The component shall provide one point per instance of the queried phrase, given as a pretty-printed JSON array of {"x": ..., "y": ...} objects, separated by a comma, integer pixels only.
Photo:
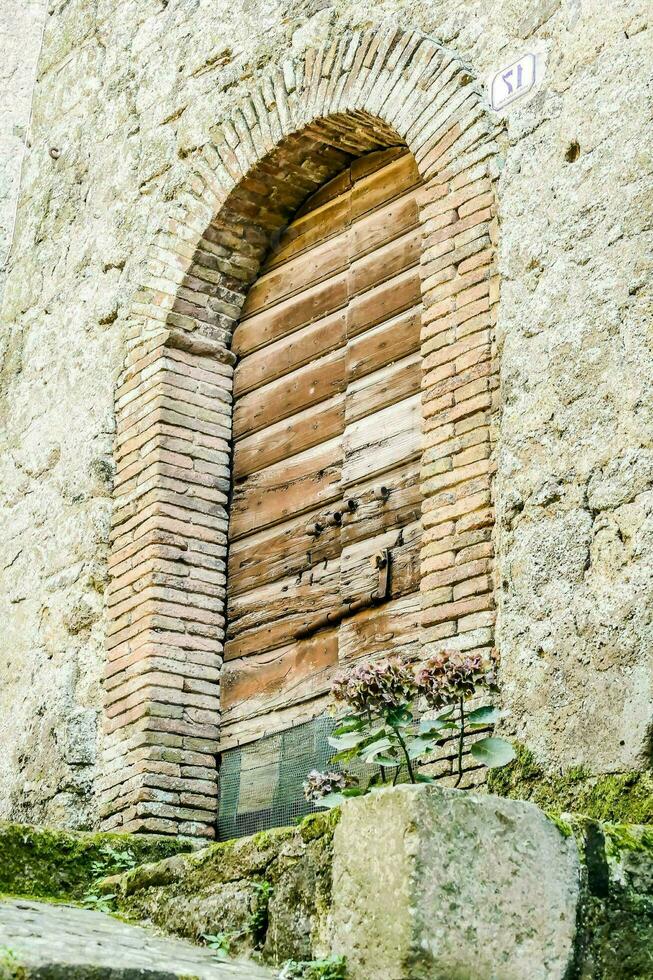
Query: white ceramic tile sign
[{"x": 515, "y": 81}]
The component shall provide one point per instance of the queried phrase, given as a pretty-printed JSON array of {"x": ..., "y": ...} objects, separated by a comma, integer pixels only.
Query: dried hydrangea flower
[
  {"x": 376, "y": 686},
  {"x": 454, "y": 674},
  {"x": 318, "y": 784}
]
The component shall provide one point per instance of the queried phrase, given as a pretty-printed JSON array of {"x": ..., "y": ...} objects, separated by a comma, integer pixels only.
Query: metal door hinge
[{"x": 383, "y": 563}]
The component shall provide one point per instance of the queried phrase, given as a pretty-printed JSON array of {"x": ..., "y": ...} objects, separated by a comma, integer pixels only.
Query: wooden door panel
[
  {"x": 254, "y": 332},
  {"x": 300, "y": 272},
  {"x": 327, "y": 411},
  {"x": 384, "y": 301},
  {"x": 256, "y": 685},
  {"x": 391, "y": 341},
  {"x": 319, "y": 380},
  {"x": 290, "y": 436},
  {"x": 383, "y": 630},
  {"x": 289, "y": 549},
  {"x": 374, "y": 514},
  {"x": 389, "y": 182},
  {"x": 383, "y": 263},
  {"x": 359, "y": 574},
  {"x": 304, "y": 233},
  {"x": 303, "y": 483},
  {"x": 291, "y": 352},
  {"x": 270, "y": 616},
  {"x": 381, "y": 442},
  {"x": 391, "y": 221},
  {"x": 384, "y": 387}
]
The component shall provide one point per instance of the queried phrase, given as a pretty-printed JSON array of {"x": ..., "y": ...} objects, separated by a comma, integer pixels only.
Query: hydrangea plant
[{"x": 388, "y": 724}]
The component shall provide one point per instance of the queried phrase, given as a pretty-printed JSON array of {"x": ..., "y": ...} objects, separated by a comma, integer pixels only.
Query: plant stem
[
  {"x": 405, "y": 751},
  {"x": 460, "y": 742}
]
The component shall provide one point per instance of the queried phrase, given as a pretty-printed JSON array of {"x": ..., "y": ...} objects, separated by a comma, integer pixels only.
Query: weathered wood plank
[
  {"x": 255, "y": 685},
  {"x": 305, "y": 482},
  {"x": 289, "y": 436},
  {"x": 369, "y": 163},
  {"x": 246, "y": 730},
  {"x": 323, "y": 222},
  {"x": 388, "y": 385},
  {"x": 390, "y": 341},
  {"x": 290, "y": 352},
  {"x": 382, "y": 441},
  {"x": 388, "y": 222},
  {"x": 304, "y": 270},
  {"x": 317, "y": 381},
  {"x": 288, "y": 549},
  {"x": 358, "y": 572},
  {"x": 312, "y": 304},
  {"x": 374, "y": 515},
  {"x": 270, "y": 616},
  {"x": 389, "y": 182},
  {"x": 383, "y": 263},
  {"x": 394, "y": 627},
  {"x": 384, "y": 301}
]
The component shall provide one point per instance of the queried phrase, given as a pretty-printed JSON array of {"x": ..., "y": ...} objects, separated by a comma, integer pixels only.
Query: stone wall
[
  {"x": 128, "y": 93},
  {"x": 417, "y": 882},
  {"x": 21, "y": 28}
]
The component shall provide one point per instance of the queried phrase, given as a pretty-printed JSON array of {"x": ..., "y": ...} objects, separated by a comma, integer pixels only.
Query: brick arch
[{"x": 301, "y": 125}]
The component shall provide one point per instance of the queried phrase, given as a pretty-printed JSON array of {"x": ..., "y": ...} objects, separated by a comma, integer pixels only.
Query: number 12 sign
[{"x": 513, "y": 82}]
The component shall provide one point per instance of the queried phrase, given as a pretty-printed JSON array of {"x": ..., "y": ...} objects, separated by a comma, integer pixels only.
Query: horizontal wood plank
[
  {"x": 285, "y": 550},
  {"x": 253, "y": 686},
  {"x": 316, "y": 382},
  {"x": 254, "y": 332},
  {"x": 290, "y": 352},
  {"x": 394, "y": 627},
  {"x": 391, "y": 341},
  {"x": 382, "y": 441},
  {"x": 290, "y": 436},
  {"x": 293, "y": 486},
  {"x": 388, "y": 385}
]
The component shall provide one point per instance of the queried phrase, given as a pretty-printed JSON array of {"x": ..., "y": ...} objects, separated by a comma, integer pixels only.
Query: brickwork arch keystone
[{"x": 300, "y": 125}]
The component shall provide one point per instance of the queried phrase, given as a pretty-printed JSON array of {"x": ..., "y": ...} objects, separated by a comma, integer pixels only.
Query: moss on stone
[
  {"x": 620, "y": 797},
  {"x": 619, "y": 939},
  {"x": 621, "y": 837},
  {"x": 50, "y": 864},
  {"x": 565, "y": 828},
  {"x": 10, "y": 966},
  {"x": 319, "y": 824}
]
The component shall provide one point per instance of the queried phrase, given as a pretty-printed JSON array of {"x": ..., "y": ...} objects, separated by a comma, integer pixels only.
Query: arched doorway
[
  {"x": 328, "y": 115},
  {"x": 325, "y": 523}
]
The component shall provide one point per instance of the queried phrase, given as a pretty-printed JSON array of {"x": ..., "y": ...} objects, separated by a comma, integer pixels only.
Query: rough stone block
[{"x": 433, "y": 883}]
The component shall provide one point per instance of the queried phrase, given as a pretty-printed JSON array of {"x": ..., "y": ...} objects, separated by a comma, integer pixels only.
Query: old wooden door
[{"x": 325, "y": 518}]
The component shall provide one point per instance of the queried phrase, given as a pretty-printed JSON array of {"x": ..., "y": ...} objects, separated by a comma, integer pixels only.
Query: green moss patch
[
  {"x": 58, "y": 864},
  {"x": 619, "y": 798}
]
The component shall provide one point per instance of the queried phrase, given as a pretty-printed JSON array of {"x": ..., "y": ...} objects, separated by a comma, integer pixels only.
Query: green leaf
[
  {"x": 399, "y": 717},
  {"x": 422, "y": 778},
  {"x": 429, "y": 726},
  {"x": 386, "y": 761},
  {"x": 493, "y": 752},
  {"x": 348, "y": 755},
  {"x": 349, "y": 724},
  {"x": 370, "y": 752},
  {"x": 330, "y": 800},
  {"x": 420, "y": 745},
  {"x": 483, "y": 716},
  {"x": 347, "y": 741}
]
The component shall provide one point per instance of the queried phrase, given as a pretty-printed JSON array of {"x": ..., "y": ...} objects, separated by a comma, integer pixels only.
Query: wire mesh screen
[{"x": 261, "y": 783}]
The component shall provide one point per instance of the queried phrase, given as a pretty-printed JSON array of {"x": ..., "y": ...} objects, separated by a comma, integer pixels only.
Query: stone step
[{"x": 63, "y": 942}]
